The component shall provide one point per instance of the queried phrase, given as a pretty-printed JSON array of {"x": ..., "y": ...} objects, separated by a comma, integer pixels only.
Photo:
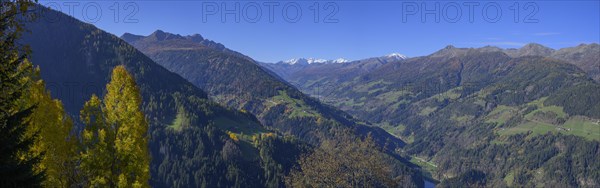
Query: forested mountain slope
[
  {"x": 194, "y": 142},
  {"x": 480, "y": 115},
  {"x": 238, "y": 81},
  {"x": 585, "y": 56}
]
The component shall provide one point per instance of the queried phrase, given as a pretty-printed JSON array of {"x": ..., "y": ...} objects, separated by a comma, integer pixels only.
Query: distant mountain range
[
  {"x": 308, "y": 61},
  {"x": 459, "y": 106},
  {"x": 290, "y": 71},
  {"x": 584, "y": 56}
]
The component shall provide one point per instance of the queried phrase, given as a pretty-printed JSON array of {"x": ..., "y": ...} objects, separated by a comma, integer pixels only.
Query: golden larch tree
[{"x": 115, "y": 140}]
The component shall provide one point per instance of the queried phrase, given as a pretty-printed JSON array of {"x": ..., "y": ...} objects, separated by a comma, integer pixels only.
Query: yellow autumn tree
[
  {"x": 115, "y": 142},
  {"x": 97, "y": 148},
  {"x": 54, "y": 142},
  {"x": 348, "y": 162}
]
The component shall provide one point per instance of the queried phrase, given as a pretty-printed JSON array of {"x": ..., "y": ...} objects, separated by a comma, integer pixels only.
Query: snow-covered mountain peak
[
  {"x": 396, "y": 56},
  {"x": 305, "y": 61}
]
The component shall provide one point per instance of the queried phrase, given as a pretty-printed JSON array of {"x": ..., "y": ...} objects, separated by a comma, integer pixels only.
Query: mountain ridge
[
  {"x": 583, "y": 55},
  {"x": 243, "y": 84},
  {"x": 307, "y": 61}
]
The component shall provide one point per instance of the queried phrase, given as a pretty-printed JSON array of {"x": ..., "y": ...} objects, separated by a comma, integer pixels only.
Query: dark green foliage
[
  {"x": 278, "y": 156},
  {"x": 581, "y": 99},
  {"x": 14, "y": 171},
  {"x": 16, "y": 165},
  {"x": 195, "y": 158},
  {"x": 208, "y": 158},
  {"x": 529, "y": 78},
  {"x": 549, "y": 159},
  {"x": 471, "y": 178}
]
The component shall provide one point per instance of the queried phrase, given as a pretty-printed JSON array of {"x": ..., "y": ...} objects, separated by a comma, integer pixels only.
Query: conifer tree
[{"x": 16, "y": 168}]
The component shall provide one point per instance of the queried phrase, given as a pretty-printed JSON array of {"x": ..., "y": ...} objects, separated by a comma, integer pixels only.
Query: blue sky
[{"x": 350, "y": 29}]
